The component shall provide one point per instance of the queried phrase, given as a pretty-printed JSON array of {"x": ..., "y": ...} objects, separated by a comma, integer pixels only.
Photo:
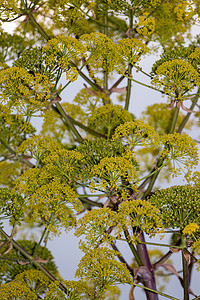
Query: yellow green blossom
[
  {"x": 190, "y": 229},
  {"x": 111, "y": 174},
  {"x": 137, "y": 133},
  {"x": 181, "y": 149},
  {"x": 146, "y": 25},
  {"x": 177, "y": 77},
  {"x": 139, "y": 215},
  {"x": 184, "y": 10},
  {"x": 101, "y": 266},
  {"x": 106, "y": 118},
  {"x": 94, "y": 225}
]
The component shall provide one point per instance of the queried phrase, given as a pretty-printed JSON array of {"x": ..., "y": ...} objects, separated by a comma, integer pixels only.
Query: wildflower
[
  {"x": 146, "y": 25},
  {"x": 139, "y": 215},
  {"x": 137, "y": 133},
  {"x": 178, "y": 77},
  {"x": 190, "y": 229},
  {"x": 179, "y": 206}
]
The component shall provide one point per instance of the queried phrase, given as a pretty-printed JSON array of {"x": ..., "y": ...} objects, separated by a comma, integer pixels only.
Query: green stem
[
  {"x": 146, "y": 85},
  {"x": 174, "y": 120},
  {"x": 40, "y": 241},
  {"x": 68, "y": 121},
  {"x": 31, "y": 259},
  {"x": 121, "y": 258},
  {"x": 162, "y": 245},
  {"x": 28, "y": 163},
  {"x": 90, "y": 202},
  {"x": 155, "y": 171},
  {"x": 79, "y": 124},
  {"x": 156, "y": 292},
  {"x": 39, "y": 28},
  {"x": 128, "y": 92},
  {"x": 133, "y": 250}
]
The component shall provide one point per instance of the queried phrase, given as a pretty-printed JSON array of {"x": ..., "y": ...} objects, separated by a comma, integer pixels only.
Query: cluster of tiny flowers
[
  {"x": 196, "y": 248},
  {"x": 146, "y": 25},
  {"x": 177, "y": 76},
  {"x": 183, "y": 11},
  {"x": 36, "y": 146},
  {"x": 180, "y": 148},
  {"x": 140, "y": 215},
  {"x": 104, "y": 55},
  {"x": 190, "y": 229},
  {"x": 101, "y": 266},
  {"x": 62, "y": 49},
  {"x": 72, "y": 74},
  {"x": 94, "y": 225},
  {"x": 61, "y": 163},
  {"x": 107, "y": 117},
  {"x": 108, "y": 175},
  {"x": 179, "y": 206},
  {"x": 137, "y": 133},
  {"x": 131, "y": 50},
  {"x": 195, "y": 57},
  {"x": 155, "y": 3},
  {"x": 9, "y": 9},
  {"x": 20, "y": 90},
  {"x": 48, "y": 196},
  {"x": 15, "y": 290}
]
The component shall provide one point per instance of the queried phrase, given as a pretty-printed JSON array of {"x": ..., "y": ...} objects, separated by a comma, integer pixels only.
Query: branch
[{"x": 31, "y": 259}]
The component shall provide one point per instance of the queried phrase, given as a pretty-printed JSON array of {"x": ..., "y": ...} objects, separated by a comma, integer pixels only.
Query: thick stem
[
  {"x": 185, "y": 277},
  {"x": 144, "y": 257}
]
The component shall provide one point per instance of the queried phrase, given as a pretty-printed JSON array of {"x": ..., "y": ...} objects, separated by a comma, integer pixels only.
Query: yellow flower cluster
[
  {"x": 180, "y": 148},
  {"x": 190, "y": 229},
  {"x": 22, "y": 92},
  {"x": 155, "y": 3},
  {"x": 136, "y": 215},
  {"x": 107, "y": 117},
  {"x": 49, "y": 195},
  {"x": 183, "y": 10},
  {"x": 72, "y": 74},
  {"x": 61, "y": 50},
  {"x": 179, "y": 206},
  {"x": 36, "y": 147},
  {"x": 111, "y": 173},
  {"x": 9, "y": 9},
  {"x": 196, "y": 248},
  {"x": 137, "y": 133},
  {"x": 15, "y": 290},
  {"x": 146, "y": 25},
  {"x": 94, "y": 225},
  {"x": 177, "y": 76},
  {"x": 101, "y": 266},
  {"x": 104, "y": 55},
  {"x": 131, "y": 50}
]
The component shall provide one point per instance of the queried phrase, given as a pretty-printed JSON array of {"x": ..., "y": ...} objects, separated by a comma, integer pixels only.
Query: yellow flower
[
  {"x": 146, "y": 25},
  {"x": 72, "y": 74},
  {"x": 190, "y": 228}
]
